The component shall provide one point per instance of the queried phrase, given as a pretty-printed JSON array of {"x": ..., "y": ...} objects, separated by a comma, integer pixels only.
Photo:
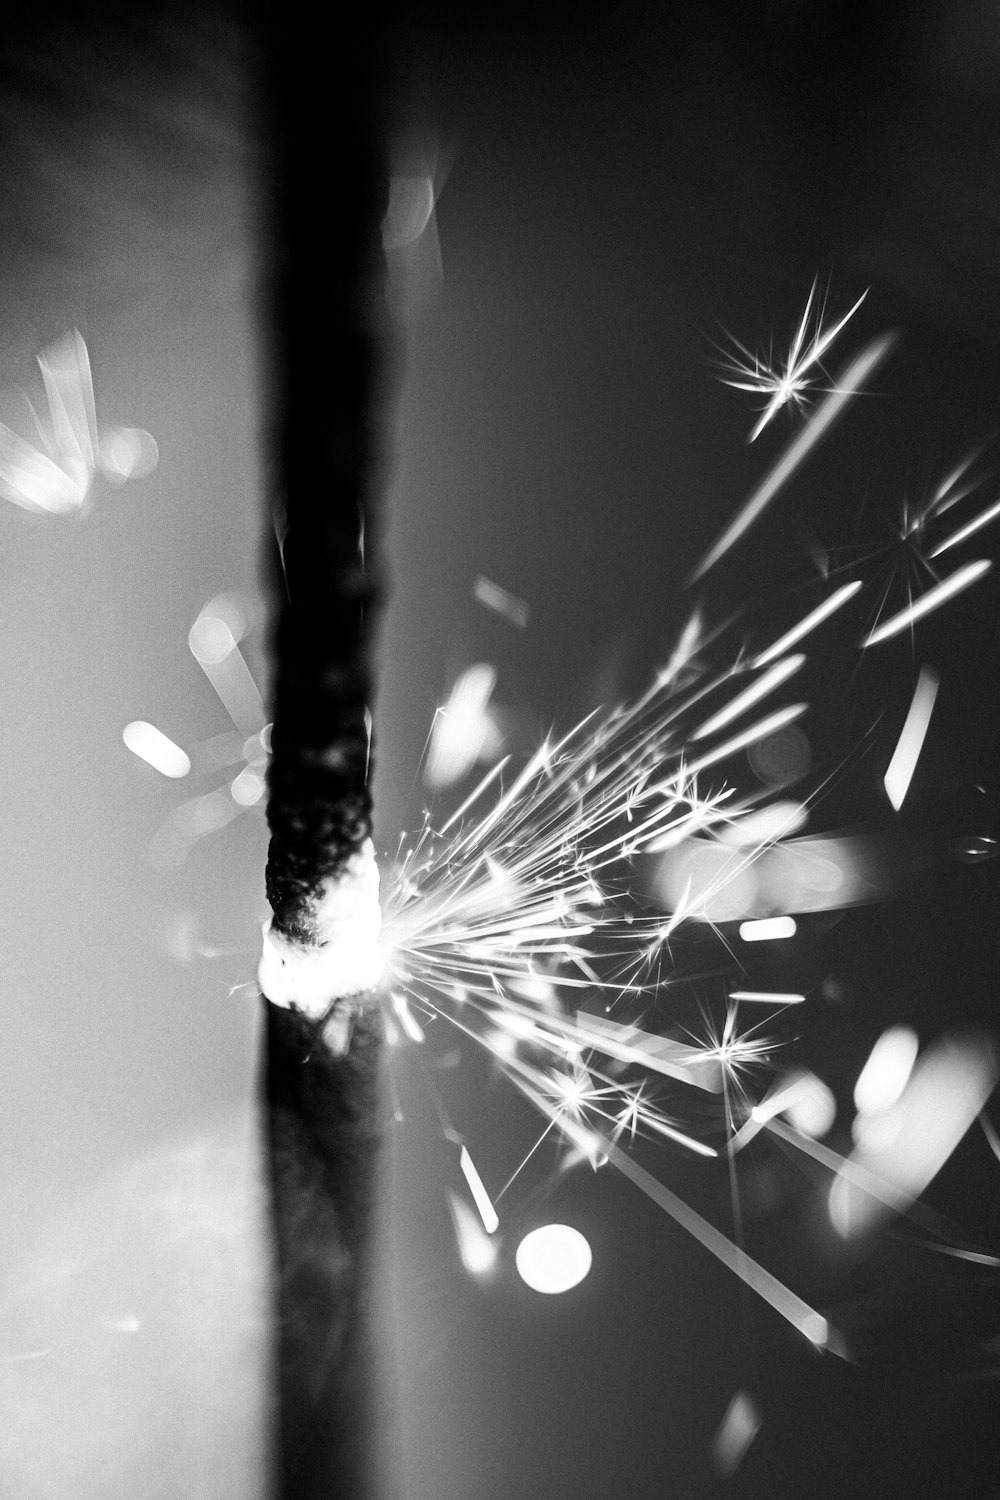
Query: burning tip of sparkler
[
  {"x": 344, "y": 957},
  {"x": 553, "y": 1258}
]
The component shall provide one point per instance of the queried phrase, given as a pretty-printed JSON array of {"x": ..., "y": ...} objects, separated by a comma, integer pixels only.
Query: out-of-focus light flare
[
  {"x": 156, "y": 749},
  {"x": 248, "y": 787},
  {"x": 711, "y": 881},
  {"x": 954, "y": 584},
  {"x": 766, "y": 826},
  {"x": 767, "y": 929},
  {"x": 464, "y": 730},
  {"x": 948, "y": 1087},
  {"x": 911, "y": 738},
  {"x": 803, "y": 1099},
  {"x": 477, "y": 1250},
  {"x": 186, "y": 825},
  {"x": 407, "y": 1019},
  {"x": 736, "y": 1432},
  {"x": 58, "y": 480},
  {"x": 127, "y": 453},
  {"x": 501, "y": 602},
  {"x": 481, "y": 1197},
  {"x": 887, "y": 1071},
  {"x": 213, "y": 642},
  {"x": 848, "y": 385},
  {"x": 411, "y": 204},
  {"x": 553, "y": 1258}
]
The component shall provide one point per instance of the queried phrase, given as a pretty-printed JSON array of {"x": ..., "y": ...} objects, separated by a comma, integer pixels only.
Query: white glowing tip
[
  {"x": 911, "y": 738},
  {"x": 553, "y": 1258},
  {"x": 765, "y": 929},
  {"x": 152, "y": 745},
  {"x": 344, "y": 957}
]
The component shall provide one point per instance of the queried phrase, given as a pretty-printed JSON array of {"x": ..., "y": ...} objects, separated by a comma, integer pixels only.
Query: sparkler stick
[{"x": 322, "y": 388}]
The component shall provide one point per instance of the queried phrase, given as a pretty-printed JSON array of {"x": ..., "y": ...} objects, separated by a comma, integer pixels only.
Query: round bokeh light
[{"x": 553, "y": 1258}]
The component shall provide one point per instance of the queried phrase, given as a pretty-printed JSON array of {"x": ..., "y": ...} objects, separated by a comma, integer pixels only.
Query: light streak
[
  {"x": 983, "y": 519},
  {"x": 481, "y": 1197},
  {"x": 809, "y": 622},
  {"x": 778, "y": 674},
  {"x": 767, "y": 997},
  {"x": 789, "y": 382},
  {"x": 933, "y": 599},
  {"x": 901, "y": 767},
  {"x": 849, "y": 385},
  {"x": 767, "y": 929},
  {"x": 805, "y": 1319}
]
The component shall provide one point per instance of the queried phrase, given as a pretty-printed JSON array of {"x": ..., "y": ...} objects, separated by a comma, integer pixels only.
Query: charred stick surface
[{"x": 326, "y": 186}]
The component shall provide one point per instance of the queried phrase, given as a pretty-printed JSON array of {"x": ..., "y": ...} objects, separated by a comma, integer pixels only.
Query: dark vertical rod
[{"x": 325, "y": 186}]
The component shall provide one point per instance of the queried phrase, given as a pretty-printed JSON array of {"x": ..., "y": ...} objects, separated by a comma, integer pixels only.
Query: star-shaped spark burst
[{"x": 792, "y": 380}]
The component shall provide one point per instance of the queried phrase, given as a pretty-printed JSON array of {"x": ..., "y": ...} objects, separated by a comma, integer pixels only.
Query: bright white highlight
[
  {"x": 553, "y": 1258},
  {"x": 481, "y": 1197},
  {"x": 767, "y": 929},
  {"x": 767, "y": 997},
  {"x": 344, "y": 957},
  {"x": 848, "y": 386},
  {"x": 886, "y": 1073},
  {"x": 152, "y": 745},
  {"x": 933, "y": 599},
  {"x": 464, "y": 730},
  {"x": 57, "y": 478},
  {"x": 911, "y": 738},
  {"x": 948, "y": 1087},
  {"x": 809, "y": 622}
]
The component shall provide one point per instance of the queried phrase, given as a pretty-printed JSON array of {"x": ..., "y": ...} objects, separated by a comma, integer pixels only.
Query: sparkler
[{"x": 788, "y": 382}]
